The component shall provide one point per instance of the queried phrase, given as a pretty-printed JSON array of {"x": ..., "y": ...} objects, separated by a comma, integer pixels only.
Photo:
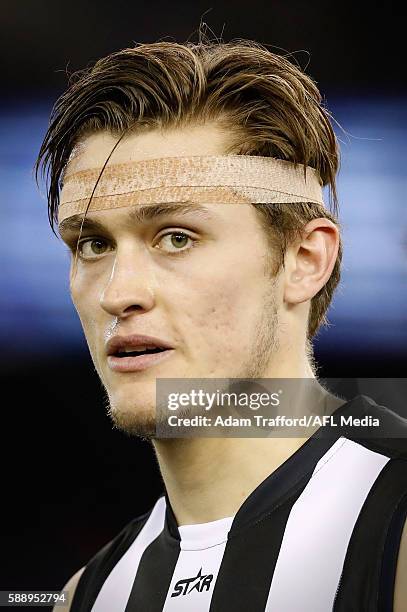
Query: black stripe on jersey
[
  {"x": 365, "y": 572},
  {"x": 171, "y": 524},
  {"x": 390, "y": 556},
  {"x": 101, "y": 564},
  {"x": 154, "y": 574},
  {"x": 249, "y": 560},
  {"x": 393, "y": 439}
]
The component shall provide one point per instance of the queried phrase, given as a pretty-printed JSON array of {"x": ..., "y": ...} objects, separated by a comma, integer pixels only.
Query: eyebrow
[{"x": 138, "y": 215}]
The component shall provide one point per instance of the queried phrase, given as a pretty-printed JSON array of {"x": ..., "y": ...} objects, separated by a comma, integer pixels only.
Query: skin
[
  {"x": 220, "y": 309},
  {"x": 216, "y": 304}
]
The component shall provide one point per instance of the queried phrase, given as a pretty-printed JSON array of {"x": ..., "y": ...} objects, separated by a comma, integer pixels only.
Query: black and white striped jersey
[{"x": 320, "y": 534}]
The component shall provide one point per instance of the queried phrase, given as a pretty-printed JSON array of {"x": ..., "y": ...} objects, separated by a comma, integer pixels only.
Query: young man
[{"x": 191, "y": 201}]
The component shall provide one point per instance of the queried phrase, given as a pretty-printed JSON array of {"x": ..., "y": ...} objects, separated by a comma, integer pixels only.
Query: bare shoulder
[
  {"x": 70, "y": 587},
  {"x": 400, "y": 586}
]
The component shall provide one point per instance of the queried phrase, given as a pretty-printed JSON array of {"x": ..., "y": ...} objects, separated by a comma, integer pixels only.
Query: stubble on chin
[{"x": 134, "y": 422}]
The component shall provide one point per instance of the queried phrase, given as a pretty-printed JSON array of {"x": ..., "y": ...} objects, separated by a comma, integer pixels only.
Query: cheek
[{"x": 221, "y": 309}]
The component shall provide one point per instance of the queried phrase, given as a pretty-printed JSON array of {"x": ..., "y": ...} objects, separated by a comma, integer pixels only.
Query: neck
[{"x": 209, "y": 478}]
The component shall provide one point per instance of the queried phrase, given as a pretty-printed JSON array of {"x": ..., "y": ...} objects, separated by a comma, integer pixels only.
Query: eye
[
  {"x": 176, "y": 242},
  {"x": 91, "y": 248}
]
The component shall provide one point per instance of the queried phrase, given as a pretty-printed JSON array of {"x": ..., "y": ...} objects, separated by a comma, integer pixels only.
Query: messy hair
[{"x": 265, "y": 102}]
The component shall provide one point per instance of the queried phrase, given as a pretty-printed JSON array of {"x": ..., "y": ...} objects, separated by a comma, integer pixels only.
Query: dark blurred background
[{"x": 70, "y": 483}]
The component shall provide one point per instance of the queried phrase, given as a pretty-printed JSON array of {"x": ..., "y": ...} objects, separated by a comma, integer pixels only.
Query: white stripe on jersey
[
  {"x": 322, "y": 519},
  {"x": 116, "y": 589}
]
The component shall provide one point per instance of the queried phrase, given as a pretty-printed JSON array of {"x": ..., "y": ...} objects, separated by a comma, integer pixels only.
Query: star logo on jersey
[{"x": 198, "y": 583}]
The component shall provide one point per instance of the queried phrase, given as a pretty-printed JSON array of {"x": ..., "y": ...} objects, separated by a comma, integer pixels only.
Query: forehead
[{"x": 93, "y": 149}]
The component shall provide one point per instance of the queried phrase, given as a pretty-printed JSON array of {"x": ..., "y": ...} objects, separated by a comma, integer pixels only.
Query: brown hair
[{"x": 268, "y": 105}]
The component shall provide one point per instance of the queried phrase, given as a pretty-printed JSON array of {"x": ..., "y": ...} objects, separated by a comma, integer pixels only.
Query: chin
[
  {"x": 129, "y": 403},
  {"x": 133, "y": 420}
]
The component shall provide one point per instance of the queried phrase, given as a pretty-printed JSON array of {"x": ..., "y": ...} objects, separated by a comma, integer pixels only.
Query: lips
[
  {"x": 135, "y": 353},
  {"x": 119, "y": 345}
]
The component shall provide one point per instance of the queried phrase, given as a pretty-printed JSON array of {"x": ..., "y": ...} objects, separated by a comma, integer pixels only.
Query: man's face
[{"x": 197, "y": 280}]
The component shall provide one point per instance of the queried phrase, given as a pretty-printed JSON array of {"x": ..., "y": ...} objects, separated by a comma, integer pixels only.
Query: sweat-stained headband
[{"x": 224, "y": 179}]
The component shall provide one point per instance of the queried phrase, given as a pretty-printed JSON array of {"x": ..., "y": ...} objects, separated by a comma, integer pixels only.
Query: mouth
[
  {"x": 137, "y": 353},
  {"x": 137, "y": 360}
]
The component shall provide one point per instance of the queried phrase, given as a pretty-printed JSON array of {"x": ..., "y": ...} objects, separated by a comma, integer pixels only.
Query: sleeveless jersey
[{"x": 321, "y": 533}]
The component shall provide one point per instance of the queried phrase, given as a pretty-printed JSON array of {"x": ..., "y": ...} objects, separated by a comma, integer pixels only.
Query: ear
[{"x": 309, "y": 262}]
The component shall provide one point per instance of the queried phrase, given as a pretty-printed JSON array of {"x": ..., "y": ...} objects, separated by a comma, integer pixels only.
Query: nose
[{"x": 130, "y": 286}]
